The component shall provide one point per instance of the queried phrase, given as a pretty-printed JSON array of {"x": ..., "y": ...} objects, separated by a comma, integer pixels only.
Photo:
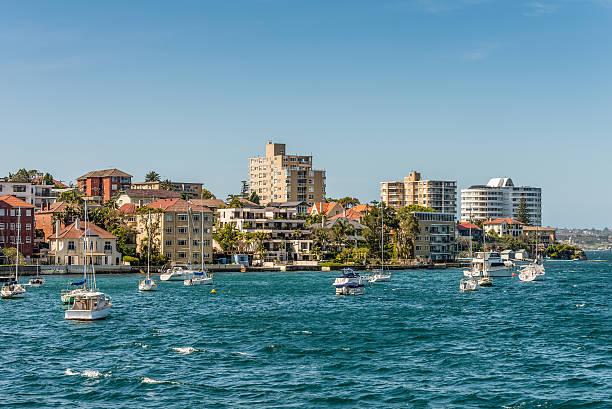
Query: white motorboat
[
  {"x": 349, "y": 283},
  {"x": 38, "y": 280},
  {"x": 468, "y": 285},
  {"x": 12, "y": 288},
  {"x": 88, "y": 306},
  {"x": 148, "y": 284},
  {"x": 199, "y": 278},
  {"x": 489, "y": 261},
  {"x": 177, "y": 273},
  {"x": 88, "y": 303}
]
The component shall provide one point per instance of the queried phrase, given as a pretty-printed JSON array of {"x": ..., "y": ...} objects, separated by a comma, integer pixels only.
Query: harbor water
[{"x": 285, "y": 340}]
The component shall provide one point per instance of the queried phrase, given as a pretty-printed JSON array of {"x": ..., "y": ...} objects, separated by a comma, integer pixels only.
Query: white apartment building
[
  {"x": 289, "y": 238},
  {"x": 40, "y": 196},
  {"x": 278, "y": 177},
  {"x": 499, "y": 199}
]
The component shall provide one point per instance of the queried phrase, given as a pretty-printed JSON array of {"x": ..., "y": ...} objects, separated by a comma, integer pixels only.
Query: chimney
[
  {"x": 77, "y": 224},
  {"x": 57, "y": 228}
]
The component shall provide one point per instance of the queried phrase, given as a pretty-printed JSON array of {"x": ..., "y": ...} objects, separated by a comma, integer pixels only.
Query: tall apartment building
[
  {"x": 278, "y": 177},
  {"x": 17, "y": 220},
  {"x": 436, "y": 240},
  {"x": 192, "y": 190},
  {"x": 498, "y": 199},
  {"x": 101, "y": 185},
  {"x": 440, "y": 195}
]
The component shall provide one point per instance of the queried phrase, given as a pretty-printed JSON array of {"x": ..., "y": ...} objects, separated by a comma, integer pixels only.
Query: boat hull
[
  {"x": 147, "y": 286},
  {"x": 83, "y": 315},
  {"x": 175, "y": 276}
]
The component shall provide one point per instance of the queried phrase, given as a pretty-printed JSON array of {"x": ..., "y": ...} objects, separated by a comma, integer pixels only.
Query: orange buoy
[
  {"x": 513, "y": 274},
  {"x": 213, "y": 291}
]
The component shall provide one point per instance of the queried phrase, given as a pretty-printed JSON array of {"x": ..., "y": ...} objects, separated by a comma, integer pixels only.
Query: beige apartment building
[
  {"x": 436, "y": 240},
  {"x": 171, "y": 233},
  {"x": 192, "y": 190},
  {"x": 278, "y": 177},
  {"x": 440, "y": 195}
]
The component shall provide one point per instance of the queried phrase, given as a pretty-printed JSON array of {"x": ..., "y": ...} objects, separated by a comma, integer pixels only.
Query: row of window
[
  {"x": 107, "y": 245},
  {"x": 15, "y": 212},
  {"x": 14, "y": 226},
  {"x": 183, "y": 218},
  {"x": 183, "y": 230},
  {"x": 184, "y": 242},
  {"x": 28, "y": 240},
  {"x": 183, "y": 255}
]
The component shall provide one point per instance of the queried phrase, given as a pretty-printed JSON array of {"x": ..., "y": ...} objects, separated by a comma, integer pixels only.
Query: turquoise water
[{"x": 284, "y": 340}]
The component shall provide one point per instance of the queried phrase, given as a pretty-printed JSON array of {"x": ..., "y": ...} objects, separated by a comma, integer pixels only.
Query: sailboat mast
[
  {"x": 202, "y": 232},
  {"x": 18, "y": 240},
  {"x": 189, "y": 233},
  {"x": 85, "y": 243},
  {"x": 382, "y": 236},
  {"x": 470, "y": 226},
  {"x": 149, "y": 248}
]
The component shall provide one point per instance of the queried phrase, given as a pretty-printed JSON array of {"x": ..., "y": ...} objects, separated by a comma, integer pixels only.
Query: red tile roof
[
  {"x": 467, "y": 226},
  {"x": 71, "y": 232},
  {"x": 56, "y": 207},
  {"x": 104, "y": 173},
  {"x": 128, "y": 208},
  {"x": 324, "y": 207},
  {"x": 13, "y": 201},
  {"x": 501, "y": 220}
]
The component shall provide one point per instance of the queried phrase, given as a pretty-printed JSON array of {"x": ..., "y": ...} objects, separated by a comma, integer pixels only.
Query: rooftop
[
  {"x": 501, "y": 220},
  {"x": 152, "y": 193},
  {"x": 177, "y": 205},
  {"x": 13, "y": 201},
  {"x": 104, "y": 173},
  {"x": 76, "y": 230}
]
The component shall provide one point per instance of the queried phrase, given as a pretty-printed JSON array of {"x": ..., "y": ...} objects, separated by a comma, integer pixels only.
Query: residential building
[
  {"x": 289, "y": 238},
  {"x": 499, "y": 198},
  {"x": 172, "y": 232},
  {"x": 355, "y": 213},
  {"x": 278, "y": 177},
  {"x": 44, "y": 218},
  {"x": 40, "y": 195},
  {"x": 191, "y": 190},
  {"x": 546, "y": 235},
  {"x": 504, "y": 226},
  {"x": 327, "y": 209},
  {"x": 440, "y": 195},
  {"x": 466, "y": 229},
  {"x": 298, "y": 207},
  {"x": 143, "y": 197},
  {"x": 21, "y": 190},
  {"x": 101, "y": 185},
  {"x": 17, "y": 219},
  {"x": 436, "y": 240},
  {"x": 67, "y": 246}
]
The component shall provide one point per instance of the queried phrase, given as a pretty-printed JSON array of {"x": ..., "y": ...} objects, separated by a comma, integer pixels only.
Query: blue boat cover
[
  {"x": 198, "y": 273},
  {"x": 147, "y": 281},
  {"x": 78, "y": 282}
]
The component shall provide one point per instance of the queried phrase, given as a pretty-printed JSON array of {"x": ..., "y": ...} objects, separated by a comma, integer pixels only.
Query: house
[
  {"x": 102, "y": 185},
  {"x": 17, "y": 219},
  {"x": 507, "y": 255},
  {"x": 67, "y": 246},
  {"x": 356, "y": 213},
  {"x": 171, "y": 230},
  {"x": 546, "y": 235},
  {"x": 142, "y": 197},
  {"x": 327, "y": 209},
  {"x": 44, "y": 218},
  {"x": 504, "y": 226},
  {"x": 298, "y": 207},
  {"x": 521, "y": 254},
  {"x": 190, "y": 190},
  {"x": 465, "y": 229}
]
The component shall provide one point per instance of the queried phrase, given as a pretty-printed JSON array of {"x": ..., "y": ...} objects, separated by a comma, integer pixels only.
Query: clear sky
[{"x": 456, "y": 89}]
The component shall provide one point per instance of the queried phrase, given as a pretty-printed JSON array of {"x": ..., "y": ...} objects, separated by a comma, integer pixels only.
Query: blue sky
[{"x": 463, "y": 90}]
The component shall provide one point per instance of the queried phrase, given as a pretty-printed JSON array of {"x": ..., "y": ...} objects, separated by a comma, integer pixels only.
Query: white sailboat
[
  {"x": 533, "y": 271},
  {"x": 148, "y": 284},
  {"x": 205, "y": 277},
  {"x": 90, "y": 304},
  {"x": 38, "y": 280},
  {"x": 485, "y": 280},
  {"x": 380, "y": 275},
  {"x": 12, "y": 288},
  {"x": 196, "y": 276}
]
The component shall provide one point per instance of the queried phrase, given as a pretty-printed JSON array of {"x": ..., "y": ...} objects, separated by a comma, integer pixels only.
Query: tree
[
  {"x": 233, "y": 201},
  {"x": 152, "y": 176},
  {"x": 11, "y": 254},
  {"x": 259, "y": 238},
  {"x": 253, "y": 198},
  {"x": 70, "y": 196},
  {"x": 372, "y": 234},
  {"x": 419, "y": 208},
  {"x": 406, "y": 234},
  {"x": 47, "y": 179},
  {"x": 522, "y": 214},
  {"x": 244, "y": 190},
  {"x": 348, "y": 202},
  {"x": 166, "y": 185},
  {"x": 207, "y": 194},
  {"x": 320, "y": 240},
  {"x": 340, "y": 232},
  {"x": 227, "y": 237},
  {"x": 23, "y": 175}
]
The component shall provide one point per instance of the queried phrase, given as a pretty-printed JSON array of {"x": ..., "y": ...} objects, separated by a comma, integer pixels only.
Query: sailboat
[
  {"x": 196, "y": 276},
  {"x": 147, "y": 284},
  {"x": 12, "y": 288},
  {"x": 203, "y": 275},
  {"x": 38, "y": 280},
  {"x": 379, "y": 275},
  {"x": 485, "y": 280},
  {"x": 90, "y": 304},
  {"x": 533, "y": 271}
]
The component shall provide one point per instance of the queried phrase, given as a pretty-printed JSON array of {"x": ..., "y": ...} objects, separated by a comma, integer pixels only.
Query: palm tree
[{"x": 152, "y": 176}]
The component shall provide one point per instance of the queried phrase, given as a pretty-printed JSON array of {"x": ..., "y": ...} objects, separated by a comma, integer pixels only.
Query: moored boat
[{"x": 349, "y": 283}]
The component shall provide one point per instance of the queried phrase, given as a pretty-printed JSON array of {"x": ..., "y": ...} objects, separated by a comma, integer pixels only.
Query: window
[
  {"x": 71, "y": 245},
  {"x": 1, "y": 239},
  {"x": 182, "y": 242},
  {"x": 310, "y": 197},
  {"x": 12, "y": 212},
  {"x": 168, "y": 242},
  {"x": 1, "y": 212},
  {"x": 12, "y": 226},
  {"x": 1, "y": 226},
  {"x": 168, "y": 217},
  {"x": 196, "y": 255},
  {"x": 168, "y": 256},
  {"x": 28, "y": 212},
  {"x": 182, "y": 230},
  {"x": 28, "y": 239},
  {"x": 107, "y": 246},
  {"x": 207, "y": 242},
  {"x": 28, "y": 226},
  {"x": 182, "y": 218},
  {"x": 196, "y": 217},
  {"x": 206, "y": 218},
  {"x": 182, "y": 254},
  {"x": 114, "y": 187},
  {"x": 196, "y": 229},
  {"x": 12, "y": 239},
  {"x": 196, "y": 242},
  {"x": 114, "y": 178},
  {"x": 169, "y": 230}
]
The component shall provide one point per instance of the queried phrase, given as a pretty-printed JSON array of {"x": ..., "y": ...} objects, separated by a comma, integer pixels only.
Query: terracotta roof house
[
  {"x": 504, "y": 226},
  {"x": 17, "y": 219},
  {"x": 330, "y": 209},
  {"x": 66, "y": 246},
  {"x": 44, "y": 218}
]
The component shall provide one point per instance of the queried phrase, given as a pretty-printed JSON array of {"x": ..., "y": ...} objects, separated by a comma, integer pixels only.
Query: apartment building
[
  {"x": 278, "y": 177},
  {"x": 289, "y": 238},
  {"x": 504, "y": 226},
  {"x": 101, "y": 185},
  {"x": 143, "y": 197},
  {"x": 436, "y": 240},
  {"x": 546, "y": 235},
  {"x": 172, "y": 235},
  {"x": 67, "y": 246},
  {"x": 191, "y": 190},
  {"x": 499, "y": 198},
  {"x": 440, "y": 195},
  {"x": 17, "y": 219}
]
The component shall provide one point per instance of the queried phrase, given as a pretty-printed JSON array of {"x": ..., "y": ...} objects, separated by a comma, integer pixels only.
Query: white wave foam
[
  {"x": 70, "y": 372},
  {"x": 346, "y": 349},
  {"x": 579, "y": 305},
  {"x": 155, "y": 381},
  {"x": 243, "y": 353},
  {"x": 185, "y": 350},
  {"x": 140, "y": 344},
  {"x": 90, "y": 374}
]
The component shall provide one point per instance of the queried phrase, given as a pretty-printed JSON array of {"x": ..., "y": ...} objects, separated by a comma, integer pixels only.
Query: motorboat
[
  {"x": 12, "y": 289},
  {"x": 199, "y": 278},
  {"x": 468, "y": 285},
  {"x": 67, "y": 295},
  {"x": 88, "y": 306},
  {"x": 177, "y": 273},
  {"x": 495, "y": 266},
  {"x": 148, "y": 284},
  {"x": 349, "y": 283},
  {"x": 485, "y": 282},
  {"x": 532, "y": 272}
]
